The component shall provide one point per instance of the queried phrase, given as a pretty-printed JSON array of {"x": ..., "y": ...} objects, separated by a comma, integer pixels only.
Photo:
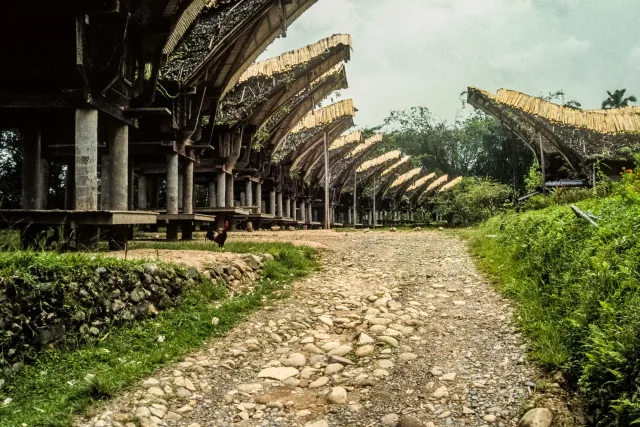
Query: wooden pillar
[
  {"x": 69, "y": 187},
  {"x": 86, "y": 159},
  {"x": 272, "y": 202},
  {"x": 180, "y": 189},
  {"x": 213, "y": 202},
  {"x": 131, "y": 189},
  {"x": 248, "y": 192},
  {"x": 31, "y": 162},
  {"x": 172, "y": 185},
  {"x": 105, "y": 183},
  {"x": 187, "y": 191},
  {"x": 221, "y": 189},
  {"x": 142, "y": 193},
  {"x": 259, "y": 197},
  {"x": 327, "y": 214},
  {"x": 118, "y": 165},
  {"x": 229, "y": 191}
]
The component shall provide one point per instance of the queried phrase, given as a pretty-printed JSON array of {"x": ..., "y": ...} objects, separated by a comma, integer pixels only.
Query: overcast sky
[{"x": 426, "y": 52}]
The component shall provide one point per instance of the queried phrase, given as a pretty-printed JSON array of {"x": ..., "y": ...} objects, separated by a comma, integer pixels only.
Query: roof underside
[
  {"x": 258, "y": 96},
  {"x": 283, "y": 120}
]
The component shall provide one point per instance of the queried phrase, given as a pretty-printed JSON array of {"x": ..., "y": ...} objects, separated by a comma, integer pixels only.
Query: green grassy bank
[
  {"x": 578, "y": 289},
  {"x": 61, "y": 383}
]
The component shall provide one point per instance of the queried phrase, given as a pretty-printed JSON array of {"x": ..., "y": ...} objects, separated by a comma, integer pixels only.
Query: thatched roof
[
  {"x": 325, "y": 115},
  {"x": 368, "y": 144},
  {"x": 187, "y": 18},
  {"x": 380, "y": 160},
  {"x": 437, "y": 183},
  {"x": 345, "y": 140},
  {"x": 578, "y": 136},
  {"x": 269, "y": 85},
  {"x": 421, "y": 182},
  {"x": 222, "y": 43},
  {"x": 307, "y": 136},
  {"x": 403, "y": 179},
  {"x": 289, "y": 60},
  {"x": 282, "y": 121},
  {"x": 451, "y": 184},
  {"x": 395, "y": 166},
  {"x": 614, "y": 121}
]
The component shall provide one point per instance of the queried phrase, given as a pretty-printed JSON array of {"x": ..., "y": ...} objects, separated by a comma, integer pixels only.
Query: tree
[
  {"x": 617, "y": 99},
  {"x": 475, "y": 146},
  {"x": 559, "y": 97}
]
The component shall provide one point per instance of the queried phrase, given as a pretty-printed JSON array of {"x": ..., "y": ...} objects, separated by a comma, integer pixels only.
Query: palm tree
[{"x": 617, "y": 99}]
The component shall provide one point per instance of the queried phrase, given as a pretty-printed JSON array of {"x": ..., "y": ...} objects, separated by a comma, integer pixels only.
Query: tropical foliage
[
  {"x": 617, "y": 99},
  {"x": 471, "y": 201},
  {"x": 476, "y": 146}
]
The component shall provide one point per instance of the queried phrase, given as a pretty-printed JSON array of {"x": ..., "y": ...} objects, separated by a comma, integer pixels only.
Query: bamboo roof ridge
[
  {"x": 437, "y": 183},
  {"x": 614, "y": 121},
  {"x": 451, "y": 184},
  {"x": 391, "y": 155},
  {"x": 325, "y": 115},
  {"x": 395, "y": 166},
  {"x": 368, "y": 143},
  {"x": 289, "y": 60},
  {"x": 421, "y": 182},
  {"x": 345, "y": 140},
  {"x": 403, "y": 179}
]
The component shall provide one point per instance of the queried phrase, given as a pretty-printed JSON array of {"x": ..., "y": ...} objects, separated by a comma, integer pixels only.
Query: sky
[{"x": 427, "y": 52}]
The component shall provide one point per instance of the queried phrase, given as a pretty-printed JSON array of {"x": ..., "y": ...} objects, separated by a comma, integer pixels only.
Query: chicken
[
  {"x": 210, "y": 235},
  {"x": 222, "y": 236}
]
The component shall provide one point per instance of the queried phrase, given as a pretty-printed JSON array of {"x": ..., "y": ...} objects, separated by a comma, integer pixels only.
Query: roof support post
[
  {"x": 86, "y": 159},
  {"x": 229, "y": 193},
  {"x": 272, "y": 202},
  {"x": 259, "y": 197},
  {"x": 212, "y": 194},
  {"x": 187, "y": 192},
  {"x": 118, "y": 166},
  {"x": 280, "y": 207},
  {"x": 248, "y": 191},
  {"x": 355, "y": 197},
  {"x": 375, "y": 218},
  {"x": 221, "y": 188},
  {"x": 172, "y": 184},
  {"x": 327, "y": 214},
  {"x": 31, "y": 166},
  {"x": 142, "y": 193}
]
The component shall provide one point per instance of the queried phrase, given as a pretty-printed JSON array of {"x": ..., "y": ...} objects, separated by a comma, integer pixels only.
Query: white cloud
[{"x": 425, "y": 52}]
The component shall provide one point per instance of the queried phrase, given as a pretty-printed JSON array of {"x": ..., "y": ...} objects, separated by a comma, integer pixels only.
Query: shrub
[
  {"x": 472, "y": 201},
  {"x": 579, "y": 292}
]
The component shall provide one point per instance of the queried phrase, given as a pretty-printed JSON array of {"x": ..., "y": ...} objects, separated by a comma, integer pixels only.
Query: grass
[
  {"x": 578, "y": 293},
  {"x": 63, "y": 383}
]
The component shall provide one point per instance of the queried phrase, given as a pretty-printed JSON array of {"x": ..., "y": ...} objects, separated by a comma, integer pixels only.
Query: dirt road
[{"x": 396, "y": 328}]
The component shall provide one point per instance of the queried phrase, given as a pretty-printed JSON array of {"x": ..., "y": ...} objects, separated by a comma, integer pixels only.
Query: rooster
[
  {"x": 222, "y": 236},
  {"x": 210, "y": 235}
]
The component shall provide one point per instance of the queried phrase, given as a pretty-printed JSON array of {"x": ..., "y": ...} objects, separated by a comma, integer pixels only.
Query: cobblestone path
[{"x": 396, "y": 329}]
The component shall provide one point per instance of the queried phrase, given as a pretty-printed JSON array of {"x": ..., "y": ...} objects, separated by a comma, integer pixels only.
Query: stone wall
[
  {"x": 239, "y": 274},
  {"x": 55, "y": 309}
]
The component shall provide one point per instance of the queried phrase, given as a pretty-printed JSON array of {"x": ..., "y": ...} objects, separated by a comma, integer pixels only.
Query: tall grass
[{"x": 578, "y": 288}]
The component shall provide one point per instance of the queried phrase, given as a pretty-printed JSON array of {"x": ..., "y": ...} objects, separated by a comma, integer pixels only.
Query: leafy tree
[
  {"x": 558, "y": 97},
  {"x": 618, "y": 100},
  {"x": 476, "y": 146},
  {"x": 472, "y": 201}
]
